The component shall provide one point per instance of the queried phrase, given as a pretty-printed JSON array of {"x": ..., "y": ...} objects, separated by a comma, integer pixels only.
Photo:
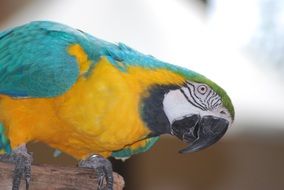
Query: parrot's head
[
  {"x": 198, "y": 112},
  {"x": 197, "y": 115}
]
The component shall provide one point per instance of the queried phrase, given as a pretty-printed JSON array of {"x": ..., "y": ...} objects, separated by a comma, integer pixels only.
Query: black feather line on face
[
  {"x": 217, "y": 103},
  {"x": 193, "y": 95},
  {"x": 188, "y": 99}
]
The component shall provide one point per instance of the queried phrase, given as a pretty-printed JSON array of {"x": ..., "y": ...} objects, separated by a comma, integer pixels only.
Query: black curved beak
[{"x": 199, "y": 132}]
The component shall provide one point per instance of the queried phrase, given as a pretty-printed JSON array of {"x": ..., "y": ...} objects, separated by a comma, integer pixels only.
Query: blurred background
[{"x": 238, "y": 44}]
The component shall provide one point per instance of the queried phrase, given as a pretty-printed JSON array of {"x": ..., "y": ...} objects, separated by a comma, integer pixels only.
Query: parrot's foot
[
  {"x": 103, "y": 169},
  {"x": 23, "y": 160}
]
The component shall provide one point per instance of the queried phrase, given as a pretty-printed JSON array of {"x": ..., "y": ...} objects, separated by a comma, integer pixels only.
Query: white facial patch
[{"x": 188, "y": 101}]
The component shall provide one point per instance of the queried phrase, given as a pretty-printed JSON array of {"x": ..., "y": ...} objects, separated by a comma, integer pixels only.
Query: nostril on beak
[{"x": 223, "y": 112}]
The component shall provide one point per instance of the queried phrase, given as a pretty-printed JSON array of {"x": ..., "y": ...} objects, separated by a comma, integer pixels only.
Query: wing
[{"x": 34, "y": 61}]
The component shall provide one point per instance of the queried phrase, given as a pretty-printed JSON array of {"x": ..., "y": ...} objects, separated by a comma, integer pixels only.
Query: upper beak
[{"x": 199, "y": 132}]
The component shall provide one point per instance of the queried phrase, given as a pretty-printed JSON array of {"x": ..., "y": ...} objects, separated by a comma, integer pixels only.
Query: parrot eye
[{"x": 202, "y": 89}]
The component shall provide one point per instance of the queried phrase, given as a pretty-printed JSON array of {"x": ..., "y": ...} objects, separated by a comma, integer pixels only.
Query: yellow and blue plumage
[{"x": 80, "y": 94}]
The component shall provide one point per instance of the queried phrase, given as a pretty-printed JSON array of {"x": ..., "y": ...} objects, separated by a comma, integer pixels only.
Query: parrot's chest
[{"x": 101, "y": 128}]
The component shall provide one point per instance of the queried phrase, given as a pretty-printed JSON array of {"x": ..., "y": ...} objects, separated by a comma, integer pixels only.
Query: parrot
[{"x": 93, "y": 99}]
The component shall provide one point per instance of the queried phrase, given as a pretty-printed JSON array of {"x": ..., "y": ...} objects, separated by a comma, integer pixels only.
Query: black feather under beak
[{"x": 199, "y": 132}]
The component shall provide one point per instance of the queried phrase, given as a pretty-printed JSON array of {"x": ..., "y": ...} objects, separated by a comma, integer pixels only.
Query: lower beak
[{"x": 205, "y": 132}]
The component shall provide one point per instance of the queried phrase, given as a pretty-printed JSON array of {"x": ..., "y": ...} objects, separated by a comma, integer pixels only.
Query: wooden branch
[{"x": 56, "y": 178}]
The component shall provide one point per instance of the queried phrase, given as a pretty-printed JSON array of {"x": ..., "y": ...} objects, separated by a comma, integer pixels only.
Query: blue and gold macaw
[{"x": 93, "y": 99}]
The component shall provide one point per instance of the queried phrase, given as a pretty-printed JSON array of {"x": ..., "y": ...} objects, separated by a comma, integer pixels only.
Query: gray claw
[
  {"x": 103, "y": 169},
  {"x": 22, "y": 161}
]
